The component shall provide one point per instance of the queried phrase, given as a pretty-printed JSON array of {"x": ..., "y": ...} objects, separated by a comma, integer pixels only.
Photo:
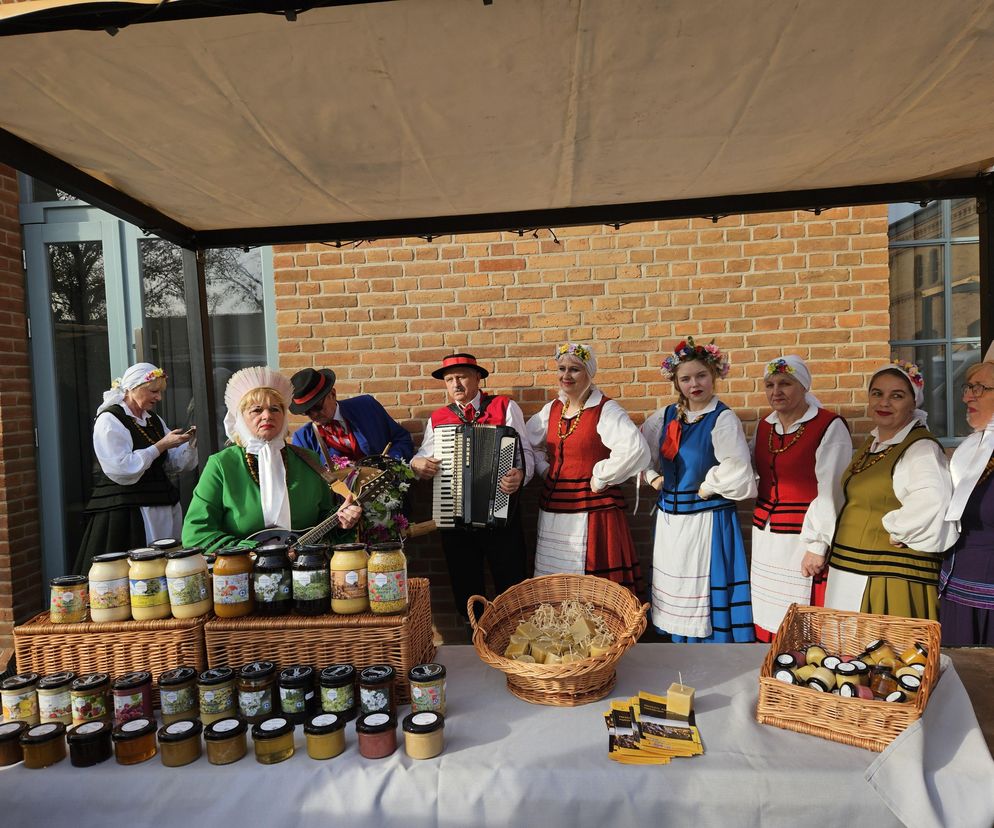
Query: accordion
[{"x": 474, "y": 458}]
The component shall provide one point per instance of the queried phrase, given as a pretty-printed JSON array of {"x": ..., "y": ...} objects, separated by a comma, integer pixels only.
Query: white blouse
[
  {"x": 114, "y": 447},
  {"x": 732, "y": 477},
  {"x": 629, "y": 452}
]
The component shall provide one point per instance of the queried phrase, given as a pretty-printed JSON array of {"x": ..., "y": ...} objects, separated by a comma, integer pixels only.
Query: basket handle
[
  {"x": 636, "y": 631},
  {"x": 471, "y": 606}
]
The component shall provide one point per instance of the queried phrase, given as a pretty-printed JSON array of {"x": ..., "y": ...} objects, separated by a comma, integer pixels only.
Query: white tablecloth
[{"x": 511, "y": 763}]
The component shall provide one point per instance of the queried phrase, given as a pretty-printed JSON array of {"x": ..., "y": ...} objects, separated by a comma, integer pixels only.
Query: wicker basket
[
  {"x": 565, "y": 685},
  {"x": 116, "y": 647},
  {"x": 860, "y": 722},
  {"x": 402, "y": 641}
]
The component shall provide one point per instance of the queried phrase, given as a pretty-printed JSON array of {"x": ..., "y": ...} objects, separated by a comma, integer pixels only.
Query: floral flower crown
[
  {"x": 581, "y": 352},
  {"x": 912, "y": 370},
  {"x": 687, "y": 351},
  {"x": 779, "y": 366},
  {"x": 158, "y": 373}
]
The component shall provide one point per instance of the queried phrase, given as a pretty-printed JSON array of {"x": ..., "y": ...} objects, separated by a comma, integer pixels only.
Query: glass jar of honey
[
  {"x": 134, "y": 741},
  {"x": 273, "y": 738},
  {"x": 424, "y": 734},
  {"x": 216, "y": 689},
  {"x": 272, "y": 580},
  {"x": 325, "y": 736},
  {"x": 387, "y": 574},
  {"x": 110, "y": 596},
  {"x": 296, "y": 689},
  {"x": 11, "y": 751},
  {"x": 376, "y": 689},
  {"x": 44, "y": 744},
  {"x": 188, "y": 582},
  {"x": 349, "y": 590},
  {"x": 148, "y": 587},
  {"x": 233, "y": 583},
  {"x": 69, "y": 597},
  {"x": 338, "y": 690},
  {"x": 256, "y": 690},
  {"x": 178, "y": 694},
  {"x": 311, "y": 587},
  {"x": 226, "y": 741},
  {"x": 179, "y": 743}
]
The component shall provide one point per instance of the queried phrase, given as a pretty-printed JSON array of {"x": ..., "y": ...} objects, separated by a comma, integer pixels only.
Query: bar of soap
[
  {"x": 527, "y": 659},
  {"x": 528, "y": 630},
  {"x": 515, "y": 649},
  {"x": 582, "y": 629},
  {"x": 679, "y": 701}
]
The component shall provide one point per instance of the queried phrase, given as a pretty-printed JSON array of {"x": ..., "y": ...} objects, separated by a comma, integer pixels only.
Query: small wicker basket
[
  {"x": 564, "y": 685},
  {"x": 859, "y": 722}
]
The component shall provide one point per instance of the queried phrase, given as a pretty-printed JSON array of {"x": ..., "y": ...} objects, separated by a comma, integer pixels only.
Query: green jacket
[{"x": 226, "y": 507}]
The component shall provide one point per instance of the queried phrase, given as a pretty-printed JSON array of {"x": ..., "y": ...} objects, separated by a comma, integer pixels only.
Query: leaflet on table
[{"x": 640, "y": 732}]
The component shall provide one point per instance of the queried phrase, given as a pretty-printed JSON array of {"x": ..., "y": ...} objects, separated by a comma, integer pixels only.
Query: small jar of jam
[
  {"x": 69, "y": 599},
  {"x": 325, "y": 736},
  {"x": 311, "y": 586},
  {"x": 786, "y": 675},
  {"x": 11, "y": 751},
  {"x": 427, "y": 688},
  {"x": 845, "y": 673},
  {"x": 916, "y": 654},
  {"x": 296, "y": 688},
  {"x": 216, "y": 690},
  {"x": 226, "y": 741},
  {"x": 91, "y": 698},
  {"x": 233, "y": 583},
  {"x": 178, "y": 694},
  {"x": 20, "y": 698},
  {"x": 822, "y": 679},
  {"x": 54, "y": 699},
  {"x": 273, "y": 738},
  {"x": 134, "y": 741},
  {"x": 377, "y": 693},
  {"x": 179, "y": 742},
  {"x": 272, "y": 580},
  {"x": 909, "y": 685},
  {"x": 814, "y": 654},
  {"x": 338, "y": 690},
  {"x": 133, "y": 697},
  {"x": 90, "y": 744},
  {"x": 424, "y": 734},
  {"x": 44, "y": 744},
  {"x": 786, "y": 660},
  {"x": 377, "y": 734},
  {"x": 256, "y": 690},
  {"x": 882, "y": 682},
  {"x": 387, "y": 572}
]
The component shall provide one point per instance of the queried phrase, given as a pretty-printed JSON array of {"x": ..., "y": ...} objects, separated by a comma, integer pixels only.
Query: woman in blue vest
[{"x": 702, "y": 466}]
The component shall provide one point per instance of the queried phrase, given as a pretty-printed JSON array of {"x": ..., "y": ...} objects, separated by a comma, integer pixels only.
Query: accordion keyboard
[{"x": 447, "y": 485}]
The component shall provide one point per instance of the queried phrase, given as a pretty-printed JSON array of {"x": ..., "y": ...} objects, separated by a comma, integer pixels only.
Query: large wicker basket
[
  {"x": 564, "y": 685},
  {"x": 402, "y": 641},
  {"x": 860, "y": 722},
  {"x": 116, "y": 647}
]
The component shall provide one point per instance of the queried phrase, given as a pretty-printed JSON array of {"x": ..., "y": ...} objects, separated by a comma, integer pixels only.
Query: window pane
[
  {"x": 909, "y": 222},
  {"x": 40, "y": 191},
  {"x": 931, "y": 361},
  {"x": 964, "y": 355},
  {"x": 82, "y": 366},
  {"x": 966, "y": 290},
  {"x": 917, "y": 303},
  {"x": 964, "y": 218}
]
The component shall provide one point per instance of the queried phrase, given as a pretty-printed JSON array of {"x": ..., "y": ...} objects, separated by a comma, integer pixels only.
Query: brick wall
[
  {"x": 20, "y": 552},
  {"x": 383, "y": 314}
]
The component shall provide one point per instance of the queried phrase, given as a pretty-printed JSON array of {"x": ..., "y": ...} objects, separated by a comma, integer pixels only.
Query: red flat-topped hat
[
  {"x": 459, "y": 361},
  {"x": 310, "y": 387}
]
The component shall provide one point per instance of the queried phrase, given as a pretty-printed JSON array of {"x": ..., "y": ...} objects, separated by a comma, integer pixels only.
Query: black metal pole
[
  {"x": 201, "y": 354},
  {"x": 985, "y": 214}
]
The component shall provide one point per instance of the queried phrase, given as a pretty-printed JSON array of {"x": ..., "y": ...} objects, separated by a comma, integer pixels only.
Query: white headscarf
[
  {"x": 581, "y": 353},
  {"x": 137, "y": 374},
  {"x": 915, "y": 378},
  {"x": 791, "y": 365},
  {"x": 968, "y": 463},
  {"x": 272, "y": 472}
]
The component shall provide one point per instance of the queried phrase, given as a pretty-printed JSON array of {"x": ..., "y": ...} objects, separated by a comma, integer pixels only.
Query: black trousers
[{"x": 466, "y": 550}]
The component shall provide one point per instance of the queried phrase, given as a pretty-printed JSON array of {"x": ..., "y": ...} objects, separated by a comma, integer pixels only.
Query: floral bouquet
[{"x": 383, "y": 519}]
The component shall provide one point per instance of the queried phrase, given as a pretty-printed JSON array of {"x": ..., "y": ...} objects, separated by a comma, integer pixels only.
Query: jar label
[
  {"x": 56, "y": 706},
  {"x": 180, "y": 727},
  {"x": 310, "y": 584},
  {"x": 177, "y": 701},
  {"x": 271, "y": 586},
  {"x": 41, "y": 730},
  {"x": 292, "y": 699},
  {"x": 272, "y": 724},
  {"x": 424, "y": 718},
  {"x": 324, "y": 719},
  {"x": 69, "y": 604},
  {"x": 428, "y": 695},
  {"x": 20, "y": 706},
  {"x": 255, "y": 702},
  {"x": 337, "y": 699},
  {"x": 348, "y": 584},
  {"x": 89, "y": 727},
  {"x": 225, "y": 725},
  {"x": 372, "y": 700},
  {"x": 188, "y": 589},
  {"x": 108, "y": 595},
  {"x": 8, "y": 727},
  {"x": 388, "y": 587},
  {"x": 231, "y": 589},
  {"x": 128, "y": 707},
  {"x": 87, "y": 706},
  {"x": 134, "y": 724},
  {"x": 377, "y": 719},
  {"x": 217, "y": 700},
  {"x": 149, "y": 592}
]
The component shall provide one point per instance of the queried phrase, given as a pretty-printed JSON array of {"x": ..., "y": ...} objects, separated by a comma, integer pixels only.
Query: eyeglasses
[{"x": 975, "y": 389}]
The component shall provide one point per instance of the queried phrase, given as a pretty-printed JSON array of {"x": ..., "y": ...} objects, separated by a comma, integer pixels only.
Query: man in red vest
[{"x": 466, "y": 548}]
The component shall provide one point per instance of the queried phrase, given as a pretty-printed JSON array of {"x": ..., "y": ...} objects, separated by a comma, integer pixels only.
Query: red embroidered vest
[
  {"x": 571, "y": 464},
  {"x": 787, "y": 482},
  {"x": 495, "y": 413}
]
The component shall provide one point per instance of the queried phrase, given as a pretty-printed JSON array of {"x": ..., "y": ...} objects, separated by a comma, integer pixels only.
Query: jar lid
[
  {"x": 47, "y": 732},
  {"x": 178, "y": 675},
  {"x": 19, "y": 682},
  {"x": 257, "y": 670},
  {"x": 224, "y": 729},
  {"x": 297, "y": 675},
  {"x": 375, "y": 723},
  {"x": 848, "y": 691},
  {"x": 184, "y": 553},
  {"x": 9, "y": 731},
  {"x": 349, "y": 547},
  {"x": 426, "y": 672},
  {"x": 907, "y": 682},
  {"x": 896, "y": 696},
  {"x": 786, "y": 660},
  {"x": 830, "y": 662},
  {"x": 310, "y": 557},
  {"x": 276, "y": 554},
  {"x": 846, "y": 668},
  {"x": 165, "y": 544},
  {"x": 391, "y": 546},
  {"x": 56, "y": 680},
  {"x": 89, "y": 732},
  {"x": 884, "y": 674},
  {"x": 816, "y": 683},
  {"x": 110, "y": 557},
  {"x": 130, "y": 680},
  {"x": 323, "y": 724},
  {"x": 146, "y": 554},
  {"x": 91, "y": 681},
  {"x": 921, "y": 648},
  {"x": 919, "y": 667},
  {"x": 377, "y": 673},
  {"x": 180, "y": 731},
  {"x": 134, "y": 729},
  {"x": 68, "y": 580},
  {"x": 876, "y": 644},
  {"x": 272, "y": 728},
  {"x": 271, "y": 548},
  {"x": 785, "y": 675},
  {"x": 232, "y": 551},
  {"x": 427, "y": 721},
  {"x": 216, "y": 675},
  {"x": 861, "y": 666},
  {"x": 337, "y": 675}
]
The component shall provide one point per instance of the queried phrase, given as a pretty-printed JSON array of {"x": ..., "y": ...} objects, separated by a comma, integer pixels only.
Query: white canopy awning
[{"x": 408, "y": 110}]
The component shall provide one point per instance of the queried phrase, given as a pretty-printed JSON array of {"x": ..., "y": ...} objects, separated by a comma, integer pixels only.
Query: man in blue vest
[{"x": 353, "y": 428}]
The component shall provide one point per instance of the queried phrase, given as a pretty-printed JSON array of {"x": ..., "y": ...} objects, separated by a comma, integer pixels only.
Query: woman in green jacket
[{"x": 261, "y": 481}]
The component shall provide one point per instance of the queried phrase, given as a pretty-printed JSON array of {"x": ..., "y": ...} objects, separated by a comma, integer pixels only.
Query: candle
[{"x": 680, "y": 701}]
